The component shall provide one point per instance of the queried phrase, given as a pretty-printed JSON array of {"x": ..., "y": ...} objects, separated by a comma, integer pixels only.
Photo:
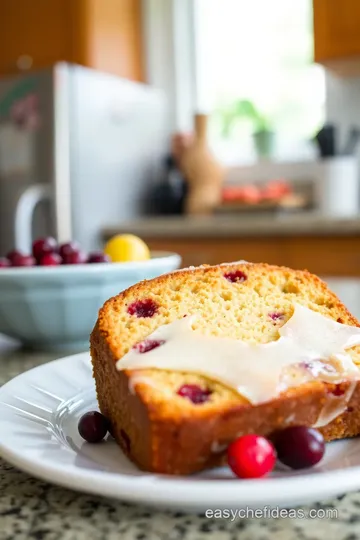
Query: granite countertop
[
  {"x": 32, "y": 509},
  {"x": 234, "y": 226}
]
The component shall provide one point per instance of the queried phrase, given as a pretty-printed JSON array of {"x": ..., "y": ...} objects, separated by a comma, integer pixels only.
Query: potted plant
[{"x": 262, "y": 132}]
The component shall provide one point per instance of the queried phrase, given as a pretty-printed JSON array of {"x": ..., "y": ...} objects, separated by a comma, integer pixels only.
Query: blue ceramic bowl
[{"x": 55, "y": 308}]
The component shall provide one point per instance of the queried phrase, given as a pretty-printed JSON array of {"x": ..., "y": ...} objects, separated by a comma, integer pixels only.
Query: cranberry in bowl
[{"x": 49, "y": 299}]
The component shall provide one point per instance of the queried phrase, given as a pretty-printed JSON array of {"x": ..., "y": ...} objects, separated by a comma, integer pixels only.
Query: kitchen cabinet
[
  {"x": 324, "y": 256},
  {"x": 323, "y": 245},
  {"x": 100, "y": 34},
  {"x": 337, "y": 35}
]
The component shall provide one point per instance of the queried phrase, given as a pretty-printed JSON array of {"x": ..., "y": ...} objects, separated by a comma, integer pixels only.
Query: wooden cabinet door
[
  {"x": 37, "y": 29},
  {"x": 336, "y": 29},
  {"x": 100, "y": 34},
  {"x": 335, "y": 256},
  {"x": 113, "y": 37}
]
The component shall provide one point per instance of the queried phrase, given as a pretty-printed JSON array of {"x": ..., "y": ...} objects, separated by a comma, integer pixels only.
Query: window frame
[
  {"x": 173, "y": 54},
  {"x": 169, "y": 44}
]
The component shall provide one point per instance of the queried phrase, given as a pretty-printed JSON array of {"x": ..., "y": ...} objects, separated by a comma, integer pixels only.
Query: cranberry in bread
[{"x": 189, "y": 361}]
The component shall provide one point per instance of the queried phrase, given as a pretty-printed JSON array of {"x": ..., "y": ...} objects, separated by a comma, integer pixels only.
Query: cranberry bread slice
[{"x": 180, "y": 423}]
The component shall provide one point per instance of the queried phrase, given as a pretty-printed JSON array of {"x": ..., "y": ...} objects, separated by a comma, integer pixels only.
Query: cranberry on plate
[
  {"x": 93, "y": 426},
  {"x": 299, "y": 447},
  {"x": 251, "y": 456}
]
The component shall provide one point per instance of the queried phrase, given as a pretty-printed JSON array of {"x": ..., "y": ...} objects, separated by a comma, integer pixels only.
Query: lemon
[{"x": 127, "y": 247}]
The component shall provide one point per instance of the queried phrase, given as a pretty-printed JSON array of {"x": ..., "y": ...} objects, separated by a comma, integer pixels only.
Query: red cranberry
[
  {"x": 4, "y": 263},
  {"x": 251, "y": 456},
  {"x": 76, "y": 257},
  {"x": 43, "y": 246},
  {"x": 98, "y": 257},
  {"x": 69, "y": 247},
  {"x": 23, "y": 260},
  {"x": 143, "y": 308},
  {"x": 235, "y": 277},
  {"x": 337, "y": 391},
  {"x": 195, "y": 393},
  {"x": 299, "y": 447},
  {"x": 148, "y": 345},
  {"x": 276, "y": 316},
  {"x": 50, "y": 259},
  {"x": 93, "y": 426},
  {"x": 13, "y": 255}
]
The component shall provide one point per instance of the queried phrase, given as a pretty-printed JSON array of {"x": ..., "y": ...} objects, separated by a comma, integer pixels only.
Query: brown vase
[{"x": 202, "y": 171}]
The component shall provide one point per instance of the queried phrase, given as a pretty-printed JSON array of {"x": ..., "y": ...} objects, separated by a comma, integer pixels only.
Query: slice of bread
[{"x": 162, "y": 431}]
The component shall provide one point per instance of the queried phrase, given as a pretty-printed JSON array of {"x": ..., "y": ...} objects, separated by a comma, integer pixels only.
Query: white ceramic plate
[{"x": 39, "y": 412}]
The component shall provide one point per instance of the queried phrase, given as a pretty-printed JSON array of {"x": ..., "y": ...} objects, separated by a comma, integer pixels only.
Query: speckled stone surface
[{"x": 32, "y": 509}]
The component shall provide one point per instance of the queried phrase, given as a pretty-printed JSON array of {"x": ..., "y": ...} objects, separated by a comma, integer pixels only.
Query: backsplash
[{"x": 343, "y": 105}]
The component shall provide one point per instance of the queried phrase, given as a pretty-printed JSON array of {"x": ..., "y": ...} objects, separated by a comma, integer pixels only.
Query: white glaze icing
[
  {"x": 334, "y": 406},
  {"x": 310, "y": 347}
]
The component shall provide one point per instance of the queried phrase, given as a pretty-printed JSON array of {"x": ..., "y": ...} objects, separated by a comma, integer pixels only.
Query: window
[{"x": 254, "y": 71}]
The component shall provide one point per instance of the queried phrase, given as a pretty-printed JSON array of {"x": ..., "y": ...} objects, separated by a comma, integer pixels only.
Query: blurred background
[{"x": 220, "y": 129}]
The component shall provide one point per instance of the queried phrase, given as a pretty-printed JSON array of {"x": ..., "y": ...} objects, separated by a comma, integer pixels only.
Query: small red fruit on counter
[
  {"x": 276, "y": 190},
  {"x": 251, "y": 456},
  {"x": 251, "y": 195}
]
